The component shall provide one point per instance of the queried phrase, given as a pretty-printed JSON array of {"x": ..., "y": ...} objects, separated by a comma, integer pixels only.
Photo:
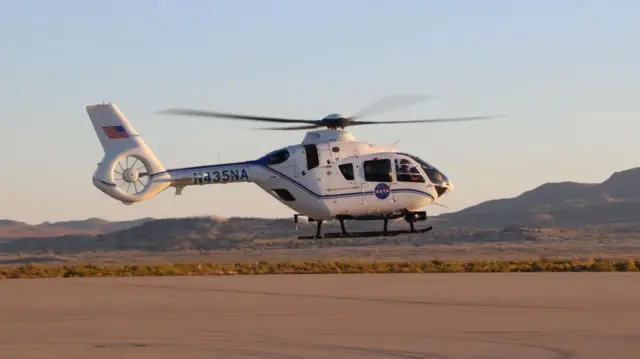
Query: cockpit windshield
[{"x": 435, "y": 176}]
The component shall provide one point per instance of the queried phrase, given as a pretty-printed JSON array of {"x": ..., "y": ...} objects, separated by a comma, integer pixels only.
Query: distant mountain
[
  {"x": 92, "y": 226},
  {"x": 192, "y": 233},
  {"x": 245, "y": 234},
  {"x": 614, "y": 204},
  {"x": 614, "y": 201}
]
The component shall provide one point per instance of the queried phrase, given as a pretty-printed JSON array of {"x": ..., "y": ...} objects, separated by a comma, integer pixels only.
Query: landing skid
[
  {"x": 410, "y": 217},
  {"x": 369, "y": 234}
]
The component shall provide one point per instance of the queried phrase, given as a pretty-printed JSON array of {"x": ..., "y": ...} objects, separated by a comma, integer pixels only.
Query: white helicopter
[{"x": 329, "y": 176}]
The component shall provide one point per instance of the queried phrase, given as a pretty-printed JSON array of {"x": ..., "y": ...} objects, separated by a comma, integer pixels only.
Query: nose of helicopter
[
  {"x": 449, "y": 186},
  {"x": 443, "y": 187},
  {"x": 439, "y": 181}
]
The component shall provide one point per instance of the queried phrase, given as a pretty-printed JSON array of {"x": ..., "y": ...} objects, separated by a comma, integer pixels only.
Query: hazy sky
[{"x": 565, "y": 72}]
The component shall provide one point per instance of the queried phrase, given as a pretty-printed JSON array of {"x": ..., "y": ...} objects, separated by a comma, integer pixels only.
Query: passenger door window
[{"x": 377, "y": 170}]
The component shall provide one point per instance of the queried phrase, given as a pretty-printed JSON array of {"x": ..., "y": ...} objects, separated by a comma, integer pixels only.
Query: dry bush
[{"x": 320, "y": 267}]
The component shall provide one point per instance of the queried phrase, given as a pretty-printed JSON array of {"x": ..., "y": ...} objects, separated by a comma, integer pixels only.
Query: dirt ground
[{"x": 436, "y": 316}]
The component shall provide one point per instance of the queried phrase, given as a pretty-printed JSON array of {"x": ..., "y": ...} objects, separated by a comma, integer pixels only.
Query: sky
[{"x": 563, "y": 72}]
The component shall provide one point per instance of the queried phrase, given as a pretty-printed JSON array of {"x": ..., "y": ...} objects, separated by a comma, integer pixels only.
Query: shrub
[{"x": 32, "y": 270}]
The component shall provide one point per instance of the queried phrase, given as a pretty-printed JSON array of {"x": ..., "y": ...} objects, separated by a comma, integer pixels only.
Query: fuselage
[{"x": 330, "y": 174}]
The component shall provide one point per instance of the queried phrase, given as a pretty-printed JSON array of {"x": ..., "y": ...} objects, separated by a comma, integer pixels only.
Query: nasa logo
[{"x": 382, "y": 191}]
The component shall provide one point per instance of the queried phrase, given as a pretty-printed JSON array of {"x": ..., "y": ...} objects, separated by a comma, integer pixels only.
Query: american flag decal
[{"x": 115, "y": 132}]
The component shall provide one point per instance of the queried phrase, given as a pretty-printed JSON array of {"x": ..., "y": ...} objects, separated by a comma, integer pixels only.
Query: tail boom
[{"x": 213, "y": 174}]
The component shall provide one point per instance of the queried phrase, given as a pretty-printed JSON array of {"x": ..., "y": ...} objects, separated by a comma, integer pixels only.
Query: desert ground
[{"x": 435, "y": 316}]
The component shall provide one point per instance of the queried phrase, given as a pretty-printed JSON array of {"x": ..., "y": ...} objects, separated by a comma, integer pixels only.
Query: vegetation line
[{"x": 319, "y": 267}]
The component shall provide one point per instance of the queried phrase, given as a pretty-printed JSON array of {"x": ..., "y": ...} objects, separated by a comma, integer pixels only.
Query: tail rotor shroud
[{"x": 131, "y": 174}]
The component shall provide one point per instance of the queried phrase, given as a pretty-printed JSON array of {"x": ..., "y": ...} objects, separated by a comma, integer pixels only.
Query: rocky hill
[
  {"x": 195, "y": 233},
  {"x": 93, "y": 226},
  {"x": 565, "y": 204}
]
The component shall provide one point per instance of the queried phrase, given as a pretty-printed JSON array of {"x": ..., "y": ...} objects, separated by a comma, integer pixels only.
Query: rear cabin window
[
  {"x": 377, "y": 170},
  {"x": 347, "y": 171},
  {"x": 406, "y": 171}
]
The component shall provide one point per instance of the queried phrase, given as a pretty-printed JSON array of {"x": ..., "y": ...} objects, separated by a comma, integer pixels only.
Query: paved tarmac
[{"x": 434, "y": 316}]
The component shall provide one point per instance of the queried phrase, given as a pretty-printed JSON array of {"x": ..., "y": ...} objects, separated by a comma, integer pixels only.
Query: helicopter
[{"x": 329, "y": 176}]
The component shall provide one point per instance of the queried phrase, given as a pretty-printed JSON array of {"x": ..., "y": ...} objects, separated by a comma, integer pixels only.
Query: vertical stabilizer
[{"x": 128, "y": 163}]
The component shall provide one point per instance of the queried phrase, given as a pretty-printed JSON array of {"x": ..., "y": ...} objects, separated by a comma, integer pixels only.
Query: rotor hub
[
  {"x": 130, "y": 175},
  {"x": 335, "y": 121},
  {"x": 333, "y": 116}
]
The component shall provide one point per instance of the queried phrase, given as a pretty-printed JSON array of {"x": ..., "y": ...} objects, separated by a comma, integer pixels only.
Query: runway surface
[{"x": 434, "y": 316}]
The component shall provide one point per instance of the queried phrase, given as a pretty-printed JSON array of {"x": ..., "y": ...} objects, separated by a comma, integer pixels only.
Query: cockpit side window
[
  {"x": 406, "y": 171},
  {"x": 278, "y": 157}
]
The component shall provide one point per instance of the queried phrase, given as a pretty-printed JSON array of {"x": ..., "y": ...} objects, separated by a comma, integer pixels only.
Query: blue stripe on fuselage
[{"x": 300, "y": 185}]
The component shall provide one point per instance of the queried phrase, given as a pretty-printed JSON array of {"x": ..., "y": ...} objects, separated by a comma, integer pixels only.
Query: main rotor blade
[
  {"x": 452, "y": 119},
  {"x": 291, "y": 128},
  {"x": 187, "y": 112},
  {"x": 391, "y": 102}
]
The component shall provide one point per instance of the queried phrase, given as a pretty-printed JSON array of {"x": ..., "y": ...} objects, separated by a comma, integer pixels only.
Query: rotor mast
[{"x": 328, "y": 135}]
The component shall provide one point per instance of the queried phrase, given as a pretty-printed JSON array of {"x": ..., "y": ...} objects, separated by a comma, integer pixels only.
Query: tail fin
[{"x": 128, "y": 163}]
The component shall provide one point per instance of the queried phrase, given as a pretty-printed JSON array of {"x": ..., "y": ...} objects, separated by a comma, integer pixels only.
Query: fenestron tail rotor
[
  {"x": 335, "y": 121},
  {"x": 131, "y": 174}
]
